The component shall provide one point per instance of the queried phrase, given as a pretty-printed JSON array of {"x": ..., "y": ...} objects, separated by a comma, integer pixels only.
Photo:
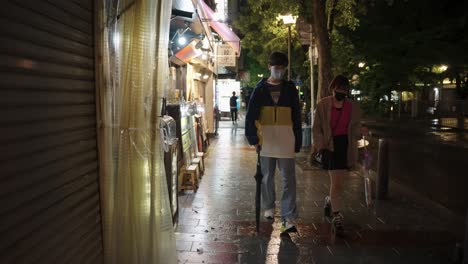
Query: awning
[{"x": 223, "y": 30}]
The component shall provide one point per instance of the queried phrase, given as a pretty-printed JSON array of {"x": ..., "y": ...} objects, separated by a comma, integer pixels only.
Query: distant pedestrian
[
  {"x": 217, "y": 118},
  {"x": 273, "y": 125},
  {"x": 337, "y": 127},
  {"x": 233, "y": 104}
]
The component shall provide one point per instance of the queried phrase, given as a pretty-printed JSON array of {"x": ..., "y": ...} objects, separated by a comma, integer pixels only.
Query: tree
[
  {"x": 325, "y": 16},
  {"x": 401, "y": 42},
  {"x": 320, "y": 24},
  {"x": 263, "y": 32},
  {"x": 255, "y": 69}
]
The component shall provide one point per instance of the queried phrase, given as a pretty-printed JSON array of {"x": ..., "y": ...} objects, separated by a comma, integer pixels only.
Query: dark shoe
[{"x": 337, "y": 225}]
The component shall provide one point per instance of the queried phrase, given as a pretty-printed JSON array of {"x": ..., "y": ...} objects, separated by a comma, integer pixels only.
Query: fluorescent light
[
  {"x": 116, "y": 39},
  {"x": 182, "y": 40}
]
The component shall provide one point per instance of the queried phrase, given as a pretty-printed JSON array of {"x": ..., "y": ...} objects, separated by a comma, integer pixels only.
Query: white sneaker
[
  {"x": 269, "y": 214},
  {"x": 289, "y": 226}
]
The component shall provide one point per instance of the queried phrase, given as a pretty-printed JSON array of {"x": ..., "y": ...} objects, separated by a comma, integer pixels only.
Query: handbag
[{"x": 323, "y": 158}]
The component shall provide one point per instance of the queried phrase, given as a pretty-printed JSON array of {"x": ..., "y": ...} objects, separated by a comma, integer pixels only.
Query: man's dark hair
[{"x": 278, "y": 58}]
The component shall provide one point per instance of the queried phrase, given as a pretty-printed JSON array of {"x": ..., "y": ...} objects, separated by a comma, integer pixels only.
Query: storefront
[
  {"x": 191, "y": 92},
  {"x": 190, "y": 73}
]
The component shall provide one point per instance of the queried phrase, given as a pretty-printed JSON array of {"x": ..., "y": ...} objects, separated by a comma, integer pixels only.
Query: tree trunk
[
  {"x": 331, "y": 16},
  {"x": 323, "y": 47}
]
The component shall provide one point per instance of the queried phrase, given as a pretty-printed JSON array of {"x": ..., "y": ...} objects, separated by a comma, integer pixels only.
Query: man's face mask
[
  {"x": 340, "y": 96},
  {"x": 277, "y": 72}
]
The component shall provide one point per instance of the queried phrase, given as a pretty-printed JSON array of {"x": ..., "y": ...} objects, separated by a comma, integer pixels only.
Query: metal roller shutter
[{"x": 49, "y": 186}]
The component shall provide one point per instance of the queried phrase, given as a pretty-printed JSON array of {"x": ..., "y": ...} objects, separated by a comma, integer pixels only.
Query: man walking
[
  {"x": 273, "y": 125},
  {"x": 233, "y": 104}
]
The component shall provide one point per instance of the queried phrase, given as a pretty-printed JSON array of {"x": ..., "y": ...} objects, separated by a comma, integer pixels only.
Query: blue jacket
[{"x": 278, "y": 121}]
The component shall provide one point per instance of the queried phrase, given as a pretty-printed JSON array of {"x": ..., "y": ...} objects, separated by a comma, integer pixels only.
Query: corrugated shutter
[{"x": 49, "y": 187}]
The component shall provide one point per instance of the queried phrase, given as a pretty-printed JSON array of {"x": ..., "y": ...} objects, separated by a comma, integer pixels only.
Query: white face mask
[{"x": 277, "y": 73}]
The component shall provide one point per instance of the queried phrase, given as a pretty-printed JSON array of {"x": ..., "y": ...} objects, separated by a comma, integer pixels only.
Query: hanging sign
[{"x": 226, "y": 56}]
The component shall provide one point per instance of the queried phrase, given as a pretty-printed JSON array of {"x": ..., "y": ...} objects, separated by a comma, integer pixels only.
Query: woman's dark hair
[
  {"x": 339, "y": 82},
  {"x": 278, "y": 58}
]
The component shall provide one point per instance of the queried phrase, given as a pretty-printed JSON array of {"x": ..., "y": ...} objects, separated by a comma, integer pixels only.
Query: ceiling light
[{"x": 182, "y": 40}]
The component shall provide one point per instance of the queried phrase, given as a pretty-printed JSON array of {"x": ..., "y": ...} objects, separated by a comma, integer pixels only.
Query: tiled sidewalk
[{"x": 217, "y": 223}]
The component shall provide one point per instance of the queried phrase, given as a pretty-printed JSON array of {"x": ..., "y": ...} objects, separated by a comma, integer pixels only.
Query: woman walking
[{"x": 336, "y": 128}]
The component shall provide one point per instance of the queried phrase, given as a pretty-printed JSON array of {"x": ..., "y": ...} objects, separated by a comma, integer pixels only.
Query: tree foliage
[
  {"x": 401, "y": 41},
  {"x": 263, "y": 32}
]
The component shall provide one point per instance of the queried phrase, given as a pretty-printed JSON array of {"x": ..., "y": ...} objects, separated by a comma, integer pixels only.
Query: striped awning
[{"x": 221, "y": 28}]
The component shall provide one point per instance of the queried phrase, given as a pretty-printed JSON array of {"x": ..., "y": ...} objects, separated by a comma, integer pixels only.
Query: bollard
[
  {"x": 465, "y": 254},
  {"x": 382, "y": 170}
]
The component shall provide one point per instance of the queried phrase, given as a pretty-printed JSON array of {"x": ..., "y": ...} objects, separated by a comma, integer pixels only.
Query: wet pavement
[
  {"x": 217, "y": 223},
  {"x": 427, "y": 155}
]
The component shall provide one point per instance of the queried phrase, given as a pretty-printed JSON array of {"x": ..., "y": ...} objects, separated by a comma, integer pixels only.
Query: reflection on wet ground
[
  {"x": 451, "y": 122},
  {"x": 449, "y": 130},
  {"x": 217, "y": 223},
  {"x": 452, "y": 137},
  {"x": 428, "y": 158},
  {"x": 441, "y": 130}
]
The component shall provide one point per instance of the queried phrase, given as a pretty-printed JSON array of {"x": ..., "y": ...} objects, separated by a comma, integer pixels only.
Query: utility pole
[
  {"x": 289, "y": 20},
  {"x": 289, "y": 51},
  {"x": 311, "y": 58},
  {"x": 312, "y": 99}
]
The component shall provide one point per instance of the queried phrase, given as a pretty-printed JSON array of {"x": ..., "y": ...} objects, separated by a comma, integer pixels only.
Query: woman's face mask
[
  {"x": 340, "y": 96},
  {"x": 277, "y": 72}
]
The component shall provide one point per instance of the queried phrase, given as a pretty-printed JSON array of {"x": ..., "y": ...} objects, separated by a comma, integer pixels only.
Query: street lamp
[{"x": 289, "y": 20}]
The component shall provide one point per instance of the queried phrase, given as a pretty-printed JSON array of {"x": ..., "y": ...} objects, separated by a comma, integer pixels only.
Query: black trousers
[{"x": 234, "y": 114}]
